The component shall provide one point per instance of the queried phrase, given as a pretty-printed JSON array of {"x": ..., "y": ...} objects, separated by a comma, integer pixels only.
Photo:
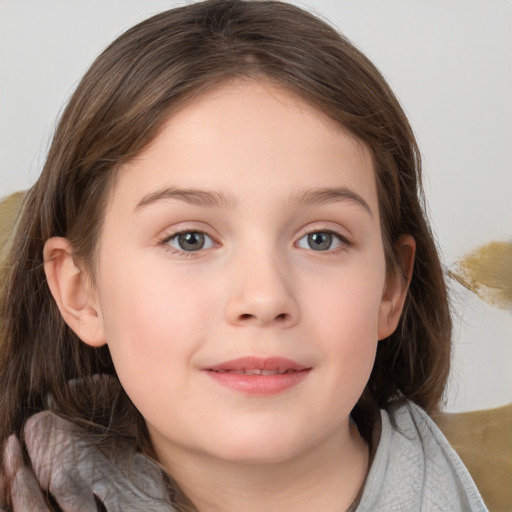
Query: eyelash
[
  {"x": 164, "y": 242},
  {"x": 345, "y": 243}
]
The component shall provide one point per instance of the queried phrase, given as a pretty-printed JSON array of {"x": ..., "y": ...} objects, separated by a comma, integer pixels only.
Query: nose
[{"x": 261, "y": 293}]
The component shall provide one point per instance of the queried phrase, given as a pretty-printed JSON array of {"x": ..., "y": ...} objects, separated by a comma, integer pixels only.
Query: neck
[{"x": 327, "y": 477}]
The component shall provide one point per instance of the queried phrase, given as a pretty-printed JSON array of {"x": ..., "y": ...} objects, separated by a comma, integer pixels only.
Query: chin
[
  {"x": 253, "y": 456},
  {"x": 262, "y": 447}
]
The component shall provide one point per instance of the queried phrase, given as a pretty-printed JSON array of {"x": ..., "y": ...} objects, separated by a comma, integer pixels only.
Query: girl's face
[{"x": 241, "y": 282}]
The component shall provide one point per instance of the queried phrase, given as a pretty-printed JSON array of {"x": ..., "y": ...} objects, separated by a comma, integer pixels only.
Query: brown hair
[{"x": 118, "y": 108}]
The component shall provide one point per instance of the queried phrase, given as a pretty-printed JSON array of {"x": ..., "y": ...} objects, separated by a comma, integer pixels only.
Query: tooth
[
  {"x": 252, "y": 371},
  {"x": 268, "y": 372}
]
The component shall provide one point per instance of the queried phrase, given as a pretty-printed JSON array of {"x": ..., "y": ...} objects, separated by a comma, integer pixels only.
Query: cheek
[
  {"x": 154, "y": 328},
  {"x": 154, "y": 319},
  {"x": 346, "y": 319},
  {"x": 348, "y": 303},
  {"x": 350, "y": 337}
]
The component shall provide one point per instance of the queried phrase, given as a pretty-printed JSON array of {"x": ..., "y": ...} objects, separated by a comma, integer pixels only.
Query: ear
[
  {"x": 396, "y": 286},
  {"x": 76, "y": 299}
]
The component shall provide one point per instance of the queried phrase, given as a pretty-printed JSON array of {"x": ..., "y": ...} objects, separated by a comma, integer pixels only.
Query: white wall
[{"x": 450, "y": 63}]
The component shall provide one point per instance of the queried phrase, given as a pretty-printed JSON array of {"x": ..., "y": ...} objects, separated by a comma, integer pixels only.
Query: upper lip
[{"x": 258, "y": 365}]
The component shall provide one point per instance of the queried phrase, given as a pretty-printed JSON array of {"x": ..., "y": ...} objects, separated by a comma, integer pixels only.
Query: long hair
[{"x": 119, "y": 107}]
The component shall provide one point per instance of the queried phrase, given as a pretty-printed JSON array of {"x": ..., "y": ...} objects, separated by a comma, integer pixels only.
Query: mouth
[
  {"x": 255, "y": 371},
  {"x": 258, "y": 366},
  {"x": 259, "y": 376}
]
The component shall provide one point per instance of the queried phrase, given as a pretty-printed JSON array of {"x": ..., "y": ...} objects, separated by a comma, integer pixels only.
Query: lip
[{"x": 258, "y": 376}]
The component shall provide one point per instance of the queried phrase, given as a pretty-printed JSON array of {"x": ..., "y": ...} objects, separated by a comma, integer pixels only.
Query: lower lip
[{"x": 263, "y": 385}]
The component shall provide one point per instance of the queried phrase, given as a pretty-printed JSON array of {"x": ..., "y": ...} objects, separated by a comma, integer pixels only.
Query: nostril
[{"x": 279, "y": 318}]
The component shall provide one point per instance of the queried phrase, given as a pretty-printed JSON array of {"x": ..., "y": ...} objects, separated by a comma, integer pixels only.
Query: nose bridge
[{"x": 262, "y": 287}]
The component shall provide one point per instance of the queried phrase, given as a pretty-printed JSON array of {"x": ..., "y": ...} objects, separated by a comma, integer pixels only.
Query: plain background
[{"x": 448, "y": 61}]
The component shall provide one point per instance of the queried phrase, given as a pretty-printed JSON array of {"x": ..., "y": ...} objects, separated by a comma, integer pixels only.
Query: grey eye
[
  {"x": 190, "y": 241},
  {"x": 320, "y": 241}
]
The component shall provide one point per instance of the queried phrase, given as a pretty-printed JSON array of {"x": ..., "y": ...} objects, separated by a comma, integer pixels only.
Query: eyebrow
[
  {"x": 215, "y": 199},
  {"x": 329, "y": 195},
  {"x": 193, "y": 196}
]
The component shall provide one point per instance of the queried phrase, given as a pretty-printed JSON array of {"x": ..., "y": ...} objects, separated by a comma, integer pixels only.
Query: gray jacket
[{"x": 415, "y": 469}]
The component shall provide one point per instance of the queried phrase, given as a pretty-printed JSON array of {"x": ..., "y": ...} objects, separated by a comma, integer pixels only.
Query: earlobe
[
  {"x": 77, "y": 301},
  {"x": 397, "y": 285}
]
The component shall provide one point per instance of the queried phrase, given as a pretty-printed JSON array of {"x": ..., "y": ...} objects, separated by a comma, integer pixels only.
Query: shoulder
[{"x": 415, "y": 468}]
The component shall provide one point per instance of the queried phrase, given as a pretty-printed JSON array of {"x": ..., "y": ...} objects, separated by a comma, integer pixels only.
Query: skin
[{"x": 257, "y": 288}]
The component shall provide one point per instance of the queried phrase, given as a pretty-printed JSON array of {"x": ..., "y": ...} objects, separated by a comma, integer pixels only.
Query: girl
[{"x": 210, "y": 302}]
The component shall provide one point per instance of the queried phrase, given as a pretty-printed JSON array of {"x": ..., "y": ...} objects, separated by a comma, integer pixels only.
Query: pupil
[
  {"x": 191, "y": 241},
  {"x": 320, "y": 241}
]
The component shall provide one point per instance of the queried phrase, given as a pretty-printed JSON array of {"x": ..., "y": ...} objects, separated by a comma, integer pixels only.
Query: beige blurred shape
[
  {"x": 9, "y": 211},
  {"x": 487, "y": 272}
]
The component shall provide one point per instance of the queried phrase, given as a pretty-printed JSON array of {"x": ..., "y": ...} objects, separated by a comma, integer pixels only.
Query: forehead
[{"x": 247, "y": 137}]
